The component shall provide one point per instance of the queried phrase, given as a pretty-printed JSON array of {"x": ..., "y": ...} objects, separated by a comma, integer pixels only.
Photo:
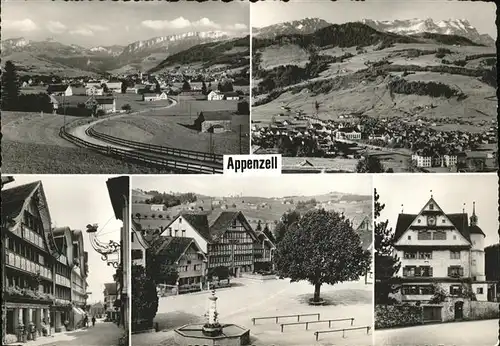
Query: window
[
  {"x": 431, "y": 206},
  {"x": 183, "y": 232},
  {"x": 180, "y": 220},
  {"x": 443, "y": 221},
  {"x": 409, "y": 271},
  {"x": 425, "y": 255},
  {"x": 479, "y": 290},
  {"x": 455, "y": 290},
  {"x": 170, "y": 231},
  {"x": 197, "y": 267},
  {"x": 418, "y": 220},
  {"x": 454, "y": 254},
  {"x": 136, "y": 254},
  {"x": 409, "y": 237},
  {"x": 176, "y": 231},
  {"x": 424, "y": 235},
  {"x": 439, "y": 235},
  {"x": 454, "y": 237},
  {"x": 455, "y": 271},
  {"x": 410, "y": 255},
  {"x": 425, "y": 271},
  {"x": 132, "y": 237}
]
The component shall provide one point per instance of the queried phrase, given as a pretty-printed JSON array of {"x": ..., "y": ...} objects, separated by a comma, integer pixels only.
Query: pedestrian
[
  {"x": 93, "y": 321},
  {"x": 86, "y": 321}
]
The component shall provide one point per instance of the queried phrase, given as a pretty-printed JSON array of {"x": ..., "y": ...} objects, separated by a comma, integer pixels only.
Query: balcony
[{"x": 14, "y": 260}]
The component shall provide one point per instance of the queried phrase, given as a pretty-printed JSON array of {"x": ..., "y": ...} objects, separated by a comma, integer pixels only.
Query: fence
[
  {"x": 153, "y": 160},
  {"x": 317, "y": 333},
  {"x": 319, "y": 321},
  {"x": 197, "y": 155},
  {"x": 284, "y": 316}
]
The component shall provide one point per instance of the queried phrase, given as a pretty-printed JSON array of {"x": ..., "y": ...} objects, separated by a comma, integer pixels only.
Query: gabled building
[
  {"x": 215, "y": 95},
  {"x": 111, "y": 301},
  {"x": 94, "y": 90},
  {"x": 149, "y": 97},
  {"x": 60, "y": 90},
  {"x": 29, "y": 256},
  {"x": 226, "y": 238},
  {"x": 138, "y": 244},
  {"x": 106, "y": 104},
  {"x": 216, "y": 121},
  {"x": 185, "y": 256},
  {"x": 438, "y": 248},
  {"x": 115, "y": 87}
]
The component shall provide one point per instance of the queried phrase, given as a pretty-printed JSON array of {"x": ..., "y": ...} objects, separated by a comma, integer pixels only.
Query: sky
[
  {"x": 279, "y": 186},
  {"x": 481, "y": 15},
  {"x": 449, "y": 191},
  {"x": 76, "y": 201},
  {"x": 105, "y": 23}
]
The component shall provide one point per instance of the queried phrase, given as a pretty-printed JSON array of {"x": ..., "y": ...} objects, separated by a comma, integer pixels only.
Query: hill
[
  {"x": 303, "y": 26},
  {"x": 233, "y": 52}
]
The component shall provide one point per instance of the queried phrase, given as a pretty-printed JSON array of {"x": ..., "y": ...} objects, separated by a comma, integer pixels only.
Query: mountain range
[
  {"x": 139, "y": 55},
  {"x": 407, "y": 27}
]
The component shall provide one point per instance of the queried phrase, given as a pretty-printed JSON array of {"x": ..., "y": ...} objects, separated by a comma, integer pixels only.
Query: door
[
  {"x": 459, "y": 310},
  {"x": 432, "y": 313}
]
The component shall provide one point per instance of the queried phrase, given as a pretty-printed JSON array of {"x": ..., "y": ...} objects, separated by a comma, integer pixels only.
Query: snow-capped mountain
[
  {"x": 107, "y": 50},
  {"x": 166, "y": 42},
  {"x": 460, "y": 27},
  {"x": 303, "y": 26}
]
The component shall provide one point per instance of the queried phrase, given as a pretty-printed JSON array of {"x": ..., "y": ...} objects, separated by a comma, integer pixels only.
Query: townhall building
[
  {"x": 44, "y": 269},
  {"x": 438, "y": 248}
]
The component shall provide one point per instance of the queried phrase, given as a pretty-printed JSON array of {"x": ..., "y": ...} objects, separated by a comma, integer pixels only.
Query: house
[
  {"x": 115, "y": 87},
  {"x": 94, "y": 90},
  {"x": 106, "y": 104},
  {"x": 154, "y": 96},
  {"x": 348, "y": 134},
  {"x": 231, "y": 96},
  {"x": 440, "y": 249},
  {"x": 421, "y": 160},
  {"x": 138, "y": 245},
  {"x": 60, "y": 90},
  {"x": 157, "y": 207},
  {"x": 183, "y": 255},
  {"x": 215, "y": 95},
  {"x": 97, "y": 310},
  {"x": 111, "y": 301},
  {"x": 364, "y": 227},
  {"x": 215, "y": 233},
  {"x": 216, "y": 121},
  {"x": 60, "y": 263}
]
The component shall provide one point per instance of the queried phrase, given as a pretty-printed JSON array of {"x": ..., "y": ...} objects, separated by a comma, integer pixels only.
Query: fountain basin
[{"x": 230, "y": 335}]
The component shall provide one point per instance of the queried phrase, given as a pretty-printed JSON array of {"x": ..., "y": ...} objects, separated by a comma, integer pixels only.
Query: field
[
  {"x": 354, "y": 93},
  {"x": 249, "y": 298},
  {"x": 169, "y": 127},
  {"x": 32, "y": 158},
  {"x": 289, "y": 54}
]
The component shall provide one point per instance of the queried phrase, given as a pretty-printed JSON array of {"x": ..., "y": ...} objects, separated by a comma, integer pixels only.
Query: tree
[
  {"x": 269, "y": 234},
  {"x": 145, "y": 302},
  {"x": 157, "y": 88},
  {"x": 259, "y": 227},
  {"x": 10, "y": 87},
  {"x": 386, "y": 262},
  {"x": 186, "y": 86},
  {"x": 285, "y": 223},
  {"x": 369, "y": 164},
  {"x": 105, "y": 87},
  {"x": 323, "y": 248},
  {"x": 203, "y": 88},
  {"x": 199, "y": 121},
  {"x": 316, "y": 106},
  {"x": 124, "y": 87},
  {"x": 126, "y": 107}
]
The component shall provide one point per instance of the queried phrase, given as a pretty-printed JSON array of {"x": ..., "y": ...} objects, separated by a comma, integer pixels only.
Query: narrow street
[{"x": 102, "y": 334}]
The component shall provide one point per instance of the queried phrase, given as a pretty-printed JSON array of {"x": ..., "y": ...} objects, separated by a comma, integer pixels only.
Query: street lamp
[{"x": 110, "y": 252}]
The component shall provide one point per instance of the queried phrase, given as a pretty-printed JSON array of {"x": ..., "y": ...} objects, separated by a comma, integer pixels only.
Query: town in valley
[
  {"x": 173, "y": 101},
  {"x": 376, "y": 93}
]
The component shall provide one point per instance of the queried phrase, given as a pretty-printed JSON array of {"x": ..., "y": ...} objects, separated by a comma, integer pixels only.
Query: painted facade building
[
  {"x": 45, "y": 269},
  {"x": 437, "y": 248}
]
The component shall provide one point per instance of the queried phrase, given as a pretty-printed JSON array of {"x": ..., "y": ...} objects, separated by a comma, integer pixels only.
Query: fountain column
[{"x": 212, "y": 310}]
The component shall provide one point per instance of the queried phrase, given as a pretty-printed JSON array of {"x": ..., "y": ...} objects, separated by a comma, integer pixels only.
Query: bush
[
  {"x": 432, "y": 89},
  {"x": 388, "y": 316}
]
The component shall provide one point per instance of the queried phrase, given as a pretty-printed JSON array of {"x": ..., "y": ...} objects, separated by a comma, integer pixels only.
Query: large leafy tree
[
  {"x": 145, "y": 301},
  {"x": 10, "y": 87},
  {"x": 322, "y": 248},
  {"x": 387, "y": 262},
  {"x": 286, "y": 222}
]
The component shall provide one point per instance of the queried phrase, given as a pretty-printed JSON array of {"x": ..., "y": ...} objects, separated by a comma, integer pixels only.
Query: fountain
[{"x": 212, "y": 332}]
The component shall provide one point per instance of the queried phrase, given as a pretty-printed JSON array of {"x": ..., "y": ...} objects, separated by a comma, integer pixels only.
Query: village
[
  {"x": 424, "y": 145},
  {"x": 132, "y": 92}
]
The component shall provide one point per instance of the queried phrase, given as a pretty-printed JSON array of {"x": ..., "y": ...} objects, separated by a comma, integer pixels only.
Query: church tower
[{"x": 477, "y": 249}]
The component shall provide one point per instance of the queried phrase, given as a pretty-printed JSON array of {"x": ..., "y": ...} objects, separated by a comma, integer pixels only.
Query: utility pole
[{"x": 240, "y": 138}]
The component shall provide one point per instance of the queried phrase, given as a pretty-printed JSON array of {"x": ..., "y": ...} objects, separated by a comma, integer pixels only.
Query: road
[
  {"x": 80, "y": 131},
  {"x": 102, "y": 334},
  {"x": 473, "y": 333}
]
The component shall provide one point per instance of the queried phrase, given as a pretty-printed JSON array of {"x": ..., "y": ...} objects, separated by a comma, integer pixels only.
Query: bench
[
  {"x": 318, "y": 321},
  {"x": 283, "y": 316},
  {"x": 317, "y": 333}
]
